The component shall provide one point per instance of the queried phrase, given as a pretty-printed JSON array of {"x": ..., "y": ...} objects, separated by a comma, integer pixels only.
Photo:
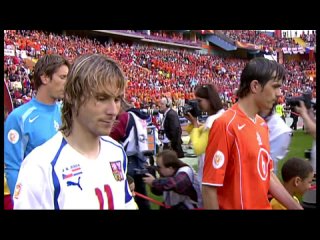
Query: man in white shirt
[{"x": 280, "y": 136}]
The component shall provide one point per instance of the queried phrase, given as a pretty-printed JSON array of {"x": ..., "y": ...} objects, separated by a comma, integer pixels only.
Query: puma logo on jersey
[
  {"x": 31, "y": 120},
  {"x": 241, "y": 126},
  {"x": 70, "y": 183}
]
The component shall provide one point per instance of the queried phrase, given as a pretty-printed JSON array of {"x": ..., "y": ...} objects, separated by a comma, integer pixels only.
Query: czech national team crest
[{"x": 117, "y": 171}]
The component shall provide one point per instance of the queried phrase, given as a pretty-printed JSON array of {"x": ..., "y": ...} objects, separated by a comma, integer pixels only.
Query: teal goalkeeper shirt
[{"x": 27, "y": 127}]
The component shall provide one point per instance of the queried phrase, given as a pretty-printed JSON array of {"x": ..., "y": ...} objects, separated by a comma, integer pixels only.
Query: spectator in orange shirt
[{"x": 238, "y": 167}]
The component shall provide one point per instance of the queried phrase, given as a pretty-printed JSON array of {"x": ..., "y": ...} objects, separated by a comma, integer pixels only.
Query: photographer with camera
[
  {"x": 178, "y": 182},
  {"x": 170, "y": 130},
  {"x": 310, "y": 126},
  {"x": 294, "y": 102},
  {"x": 304, "y": 106},
  {"x": 308, "y": 118},
  {"x": 208, "y": 100}
]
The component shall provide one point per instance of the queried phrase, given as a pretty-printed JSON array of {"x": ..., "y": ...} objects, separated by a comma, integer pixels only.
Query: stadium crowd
[
  {"x": 153, "y": 72},
  {"x": 261, "y": 38}
]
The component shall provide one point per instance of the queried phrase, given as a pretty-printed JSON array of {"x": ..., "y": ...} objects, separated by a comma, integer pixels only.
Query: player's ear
[
  {"x": 44, "y": 79},
  {"x": 297, "y": 180},
  {"x": 255, "y": 86}
]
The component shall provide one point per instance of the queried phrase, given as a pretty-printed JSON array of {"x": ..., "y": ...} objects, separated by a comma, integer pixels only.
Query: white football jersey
[{"x": 56, "y": 176}]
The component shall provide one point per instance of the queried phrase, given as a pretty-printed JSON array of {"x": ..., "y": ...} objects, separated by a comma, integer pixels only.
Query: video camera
[
  {"x": 305, "y": 97},
  {"x": 191, "y": 107},
  {"x": 149, "y": 169},
  {"x": 155, "y": 112}
]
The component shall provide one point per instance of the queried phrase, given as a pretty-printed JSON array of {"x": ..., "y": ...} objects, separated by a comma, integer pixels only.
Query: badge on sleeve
[
  {"x": 13, "y": 136},
  {"x": 17, "y": 191},
  {"x": 218, "y": 160}
]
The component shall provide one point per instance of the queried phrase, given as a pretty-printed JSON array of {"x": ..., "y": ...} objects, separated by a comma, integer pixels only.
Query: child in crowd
[
  {"x": 297, "y": 175},
  {"x": 132, "y": 186}
]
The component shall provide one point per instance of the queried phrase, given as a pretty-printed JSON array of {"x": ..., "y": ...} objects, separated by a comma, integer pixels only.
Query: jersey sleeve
[
  {"x": 279, "y": 148},
  {"x": 217, "y": 154},
  {"x": 15, "y": 144},
  {"x": 30, "y": 190},
  {"x": 199, "y": 139}
]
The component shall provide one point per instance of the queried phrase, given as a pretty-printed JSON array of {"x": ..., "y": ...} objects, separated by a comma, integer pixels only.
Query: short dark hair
[
  {"x": 296, "y": 167},
  {"x": 48, "y": 65},
  {"x": 170, "y": 159},
  {"x": 262, "y": 70}
]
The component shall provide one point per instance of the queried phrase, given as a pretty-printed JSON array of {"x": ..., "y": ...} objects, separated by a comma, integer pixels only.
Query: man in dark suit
[{"x": 170, "y": 129}]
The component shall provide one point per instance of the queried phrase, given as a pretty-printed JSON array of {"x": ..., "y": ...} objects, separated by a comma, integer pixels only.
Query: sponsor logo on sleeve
[
  {"x": 13, "y": 136},
  {"x": 218, "y": 160}
]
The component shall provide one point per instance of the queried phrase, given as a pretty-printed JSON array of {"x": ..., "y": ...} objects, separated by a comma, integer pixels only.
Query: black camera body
[
  {"x": 143, "y": 171},
  {"x": 295, "y": 101},
  {"x": 155, "y": 112},
  {"x": 192, "y": 107}
]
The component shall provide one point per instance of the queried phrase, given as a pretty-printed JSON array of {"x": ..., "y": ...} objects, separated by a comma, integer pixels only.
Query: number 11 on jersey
[{"x": 108, "y": 192}]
